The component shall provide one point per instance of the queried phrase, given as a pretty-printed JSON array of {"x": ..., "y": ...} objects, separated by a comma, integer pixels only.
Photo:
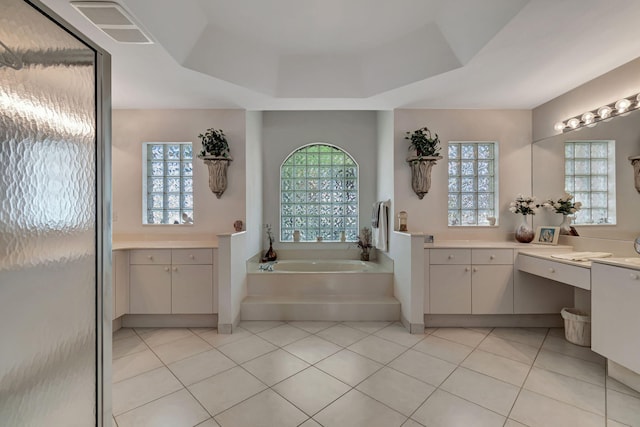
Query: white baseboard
[
  {"x": 413, "y": 328},
  {"x": 625, "y": 376},
  {"x": 116, "y": 324},
  {"x": 170, "y": 320},
  {"x": 493, "y": 320}
]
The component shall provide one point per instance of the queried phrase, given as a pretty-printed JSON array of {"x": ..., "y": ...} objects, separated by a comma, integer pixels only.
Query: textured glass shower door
[{"x": 50, "y": 224}]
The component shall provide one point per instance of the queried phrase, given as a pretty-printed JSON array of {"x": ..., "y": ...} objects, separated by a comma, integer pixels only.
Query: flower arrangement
[
  {"x": 214, "y": 143},
  {"x": 564, "y": 205},
  {"x": 423, "y": 141},
  {"x": 364, "y": 243},
  {"x": 525, "y": 205}
]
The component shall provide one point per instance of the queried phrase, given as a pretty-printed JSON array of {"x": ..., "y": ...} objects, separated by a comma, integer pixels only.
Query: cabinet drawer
[
  {"x": 192, "y": 256},
  {"x": 570, "y": 274},
  {"x": 450, "y": 256},
  {"x": 492, "y": 256},
  {"x": 150, "y": 256}
]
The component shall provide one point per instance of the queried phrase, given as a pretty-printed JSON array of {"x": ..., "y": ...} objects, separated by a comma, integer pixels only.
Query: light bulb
[
  {"x": 559, "y": 126},
  {"x": 573, "y": 123},
  {"x": 588, "y": 118},
  {"x": 604, "y": 112},
  {"x": 622, "y": 105}
]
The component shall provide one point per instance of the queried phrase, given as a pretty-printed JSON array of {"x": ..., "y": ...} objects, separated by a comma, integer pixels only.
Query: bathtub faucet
[{"x": 268, "y": 266}]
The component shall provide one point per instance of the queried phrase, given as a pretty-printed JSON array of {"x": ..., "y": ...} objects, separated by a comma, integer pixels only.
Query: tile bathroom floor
[{"x": 351, "y": 374}]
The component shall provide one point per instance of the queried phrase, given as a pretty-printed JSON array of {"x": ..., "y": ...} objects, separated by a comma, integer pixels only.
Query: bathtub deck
[{"x": 321, "y": 308}]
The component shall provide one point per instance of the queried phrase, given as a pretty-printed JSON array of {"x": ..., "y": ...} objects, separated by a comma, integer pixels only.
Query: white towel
[
  {"x": 582, "y": 256},
  {"x": 380, "y": 232}
]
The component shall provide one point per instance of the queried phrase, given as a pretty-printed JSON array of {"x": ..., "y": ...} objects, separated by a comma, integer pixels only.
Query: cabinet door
[
  {"x": 150, "y": 289},
  {"x": 192, "y": 289},
  {"x": 450, "y": 289},
  {"x": 492, "y": 289},
  {"x": 121, "y": 283}
]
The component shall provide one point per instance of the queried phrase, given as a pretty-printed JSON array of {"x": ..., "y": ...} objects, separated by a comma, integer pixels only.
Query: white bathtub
[{"x": 323, "y": 266}]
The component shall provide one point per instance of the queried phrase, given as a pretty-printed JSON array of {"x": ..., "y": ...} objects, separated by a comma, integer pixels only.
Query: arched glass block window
[{"x": 319, "y": 194}]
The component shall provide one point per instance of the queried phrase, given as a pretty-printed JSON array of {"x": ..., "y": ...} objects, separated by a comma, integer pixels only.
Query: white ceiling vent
[{"x": 113, "y": 19}]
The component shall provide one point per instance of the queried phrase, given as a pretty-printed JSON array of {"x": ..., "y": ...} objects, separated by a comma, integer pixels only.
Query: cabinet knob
[
  {"x": 166, "y": 269},
  {"x": 150, "y": 257},
  {"x": 633, "y": 276},
  {"x": 466, "y": 269},
  {"x": 451, "y": 257},
  {"x": 192, "y": 257},
  {"x": 175, "y": 268},
  {"x": 492, "y": 257},
  {"x": 552, "y": 270},
  {"x": 474, "y": 270}
]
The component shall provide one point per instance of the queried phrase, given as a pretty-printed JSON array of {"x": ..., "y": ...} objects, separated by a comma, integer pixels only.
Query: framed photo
[{"x": 547, "y": 235}]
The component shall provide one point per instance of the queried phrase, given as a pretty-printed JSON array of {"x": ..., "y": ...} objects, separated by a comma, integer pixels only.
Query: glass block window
[
  {"x": 473, "y": 177},
  {"x": 589, "y": 174},
  {"x": 167, "y": 183},
  {"x": 319, "y": 194}
]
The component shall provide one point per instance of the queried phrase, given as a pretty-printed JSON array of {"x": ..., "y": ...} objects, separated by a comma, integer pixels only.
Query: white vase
[
  {"x": 524, "y": 232},
  {"x": 565, "y": 227}
]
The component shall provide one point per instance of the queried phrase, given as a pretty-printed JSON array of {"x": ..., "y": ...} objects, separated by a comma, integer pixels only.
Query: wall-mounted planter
[
  {"x": 635, "y": 162},
  {"x": 421, "y": 173},
  {"x": 217, "y": 173}
]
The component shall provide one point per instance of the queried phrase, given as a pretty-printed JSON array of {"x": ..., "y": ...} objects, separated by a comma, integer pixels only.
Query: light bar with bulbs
[{"x": 591, "y": 118}]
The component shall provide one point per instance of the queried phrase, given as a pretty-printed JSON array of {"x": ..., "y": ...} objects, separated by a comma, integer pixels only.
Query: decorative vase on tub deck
[{"x": 524, "y": 232}]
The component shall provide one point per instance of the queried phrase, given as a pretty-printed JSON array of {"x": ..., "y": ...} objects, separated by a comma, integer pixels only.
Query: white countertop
[
  {"x": 164, "y": 242},
  {"x": 627, "y": 262},
  {"x": 546, "y": 255},
  {"x": 490, "y": 245}
]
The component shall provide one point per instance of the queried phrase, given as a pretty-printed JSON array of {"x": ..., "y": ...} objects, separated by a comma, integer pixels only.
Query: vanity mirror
[{"x": 622, "y": 137}]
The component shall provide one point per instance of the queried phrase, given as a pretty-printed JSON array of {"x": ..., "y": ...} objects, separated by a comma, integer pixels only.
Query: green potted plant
[
  {"x": 215, "y": 154},
  {"x": 427, "y": 147}
]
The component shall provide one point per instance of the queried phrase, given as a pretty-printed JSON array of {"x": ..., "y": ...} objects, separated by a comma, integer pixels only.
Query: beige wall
[
  {"x": 510, "y": 128},
  {"x": 254, "y": 182},
  {"x": 131, "y": 128}
]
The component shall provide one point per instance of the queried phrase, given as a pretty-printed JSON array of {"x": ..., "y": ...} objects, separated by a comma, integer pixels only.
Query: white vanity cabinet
[
  {"x": 471, "y": 281},
  {"x": 171, "y": 281},
  {"x": 120, "y": 283},
  {"x": 615, "y": 324}
]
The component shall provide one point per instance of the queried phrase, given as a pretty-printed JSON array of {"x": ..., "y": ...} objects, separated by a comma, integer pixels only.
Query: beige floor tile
[
  {"x": 396, "y": 390},
  {"x": 312, "y": 349},
  {"x": 201, "y": 366},
  {"x": 482, "y": 390},
  {"x": 423, "y": 367},
  {"x": 368, "y": 327},
  {"x": 530, "y": 336},
  {"x": 311, "y": 390},
  {"x": 283, "y": 335},
  {"x": 246, "y": 349},
  {"x": 535, "y": 410},
  {"x": 200, "y": 331},
  {"x": 265, "y": 409},
  {"x": 556, "y": 332},
  {"x": 356, "y": 409},
  {"x": 274, "y": 367},
  {"x": 577, "y": 368},
  {"x": 613, "y": 423},
  {"x": 181, "y": 348},
  {"x": 134, "y": 364},
  {"x": 256, "y": 326},
  {"x": 444, "y": 349},
  {"x": 222, "y": 391},
  {"x": 399, "y": 335},
  {"x": 178, "y": 409},
  {"x": 156, "y": 337},
  {"x": 622, "y": 388},
  {"x": 311, "y": 326},
  {"x": 123, "y": 333},
  {"x": 209, "y": 423},
  {"x": 139, "y": 390},
  {"x": 126, "y": 346},
  {"x": 378, "y": 349},
  {"x": 310, "y": 423},
  {"x": 583, "y": 395},
  {"x": 217, "y": 340},
  {"x": 342, "y": 335},
  {"x": 623, "y": 408},
  {"x": 348, "y": 367},
  {"x": 445, "y": 409},
  {"x": 497, "y": 367},
  {"x": 512, "y": 423},
  {"x": 560, "y": 345},
  {"x": 510, "y": 349},
  {"x": 411, "y": 423},
  {"x": 464, "y": 336}
]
